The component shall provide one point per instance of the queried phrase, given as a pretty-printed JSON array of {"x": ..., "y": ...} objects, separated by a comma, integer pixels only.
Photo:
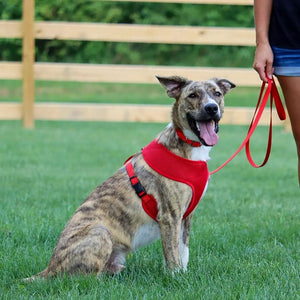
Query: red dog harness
[{"x": 160, "y": 159}]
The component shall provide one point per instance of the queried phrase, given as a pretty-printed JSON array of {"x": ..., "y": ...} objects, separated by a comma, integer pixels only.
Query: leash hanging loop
[{"x": 272, "y": 93}]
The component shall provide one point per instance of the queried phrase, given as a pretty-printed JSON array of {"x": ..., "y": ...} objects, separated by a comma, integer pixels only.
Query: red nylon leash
[{"x": 272, "y": 93}]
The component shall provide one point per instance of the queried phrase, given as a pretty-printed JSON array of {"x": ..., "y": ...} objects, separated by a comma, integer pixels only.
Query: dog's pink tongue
[{"x": 207, "y": 133}]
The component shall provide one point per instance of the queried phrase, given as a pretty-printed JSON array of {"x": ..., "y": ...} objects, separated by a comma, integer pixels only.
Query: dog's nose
[{"x": 211, "y": 108}]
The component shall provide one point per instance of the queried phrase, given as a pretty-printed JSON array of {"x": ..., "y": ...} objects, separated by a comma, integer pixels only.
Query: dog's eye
[
  {"x": 192, "y": 95},
  {"x": 217, "y": 94}
]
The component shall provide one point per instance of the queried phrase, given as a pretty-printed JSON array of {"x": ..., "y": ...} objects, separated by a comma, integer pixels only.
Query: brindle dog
[{"x": 111, "y": 222}]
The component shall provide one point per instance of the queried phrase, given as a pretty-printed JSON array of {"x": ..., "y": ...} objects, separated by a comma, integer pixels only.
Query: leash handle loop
[
  {"x": 271, "y": 92},
  {"x": 268, "y": 151}
]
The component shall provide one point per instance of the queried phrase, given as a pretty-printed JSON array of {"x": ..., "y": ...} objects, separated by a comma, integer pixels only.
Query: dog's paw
[
  {"x": 178, "y": 271},
  {"x": 114, "y": 268},
  {"x": 32, "y": 278}
]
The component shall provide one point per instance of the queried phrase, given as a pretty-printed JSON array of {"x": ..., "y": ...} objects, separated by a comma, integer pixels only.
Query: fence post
[{"x": 28, "y": 63}]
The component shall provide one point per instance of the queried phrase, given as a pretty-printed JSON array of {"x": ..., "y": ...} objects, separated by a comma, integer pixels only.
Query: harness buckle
[
  {"x": 139, "y": 189},
  {"x": 133, "y": 179}
]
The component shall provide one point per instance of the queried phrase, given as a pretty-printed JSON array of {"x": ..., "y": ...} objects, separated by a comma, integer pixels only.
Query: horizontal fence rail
[
  {"x": 122, "y": 113},
  {"x": 124, "y": 73},
  {"x": 222, "y": 2},
  {"x": 193, "y": 35}
]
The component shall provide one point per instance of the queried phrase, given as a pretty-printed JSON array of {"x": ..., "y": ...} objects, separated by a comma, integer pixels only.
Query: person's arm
[{"x": 263, "y": 60}]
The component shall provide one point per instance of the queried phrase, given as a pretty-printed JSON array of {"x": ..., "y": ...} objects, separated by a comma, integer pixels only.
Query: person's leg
[{"x": 291, "y": 91}]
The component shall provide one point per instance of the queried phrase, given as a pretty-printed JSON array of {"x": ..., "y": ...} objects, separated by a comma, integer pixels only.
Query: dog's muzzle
[{"x": 206, "y": 124}]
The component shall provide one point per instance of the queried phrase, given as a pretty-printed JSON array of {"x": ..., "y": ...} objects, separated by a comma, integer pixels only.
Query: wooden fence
[{"x": 28, "y": 70}]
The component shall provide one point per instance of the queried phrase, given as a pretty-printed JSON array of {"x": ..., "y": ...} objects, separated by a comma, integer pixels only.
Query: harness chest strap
[
  {"x": 160, "y": 159},
  {"x": 148, "y": 201}
]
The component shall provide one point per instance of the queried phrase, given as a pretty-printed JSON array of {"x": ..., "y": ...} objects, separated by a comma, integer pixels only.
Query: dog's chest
[
  {"x": 200, "y": 153},
  {"x": 146, "y": 234}
]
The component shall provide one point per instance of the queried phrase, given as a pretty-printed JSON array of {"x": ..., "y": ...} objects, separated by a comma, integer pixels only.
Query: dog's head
[{"x": 199, "y": 106}]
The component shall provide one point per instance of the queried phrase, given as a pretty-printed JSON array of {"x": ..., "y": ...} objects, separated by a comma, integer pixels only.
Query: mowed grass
[{"x": 245, "y": 233}]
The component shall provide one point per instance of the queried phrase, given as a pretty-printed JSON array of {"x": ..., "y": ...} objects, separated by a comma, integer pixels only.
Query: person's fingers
[
  {"x": 261, "y": 70},
  {"x": 269, "y": 69}
]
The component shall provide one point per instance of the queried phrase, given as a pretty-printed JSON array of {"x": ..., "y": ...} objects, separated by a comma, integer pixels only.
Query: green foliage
[
  {"x": 245, "y": 232},
  {"x": 10, "y": 9},
  {"x": 132, "y": 13}
]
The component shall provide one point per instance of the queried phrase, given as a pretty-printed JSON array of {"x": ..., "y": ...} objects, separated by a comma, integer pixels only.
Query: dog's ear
[
  {"x": 224, "y": 84},
  {"x": 173, "y": 85}
]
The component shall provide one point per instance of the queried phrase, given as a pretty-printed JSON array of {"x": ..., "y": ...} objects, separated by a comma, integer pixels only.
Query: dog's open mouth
[{"x": 206, "y": 131}]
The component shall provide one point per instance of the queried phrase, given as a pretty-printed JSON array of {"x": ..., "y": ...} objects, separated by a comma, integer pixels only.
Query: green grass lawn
[
  {"x": 245, "y": 234},
  {"x": 78, "y": 92}
]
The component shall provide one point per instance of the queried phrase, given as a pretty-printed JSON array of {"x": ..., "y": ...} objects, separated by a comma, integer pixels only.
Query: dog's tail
[{"x": 42, "y": 275}]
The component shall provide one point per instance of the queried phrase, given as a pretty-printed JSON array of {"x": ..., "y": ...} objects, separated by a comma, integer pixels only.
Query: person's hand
[{"x": 263, "y": 61}]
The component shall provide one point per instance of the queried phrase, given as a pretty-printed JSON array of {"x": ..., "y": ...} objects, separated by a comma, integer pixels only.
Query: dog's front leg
[
  {"x": 184, "y": 241},
  {"x": 170, "y": 236}
]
